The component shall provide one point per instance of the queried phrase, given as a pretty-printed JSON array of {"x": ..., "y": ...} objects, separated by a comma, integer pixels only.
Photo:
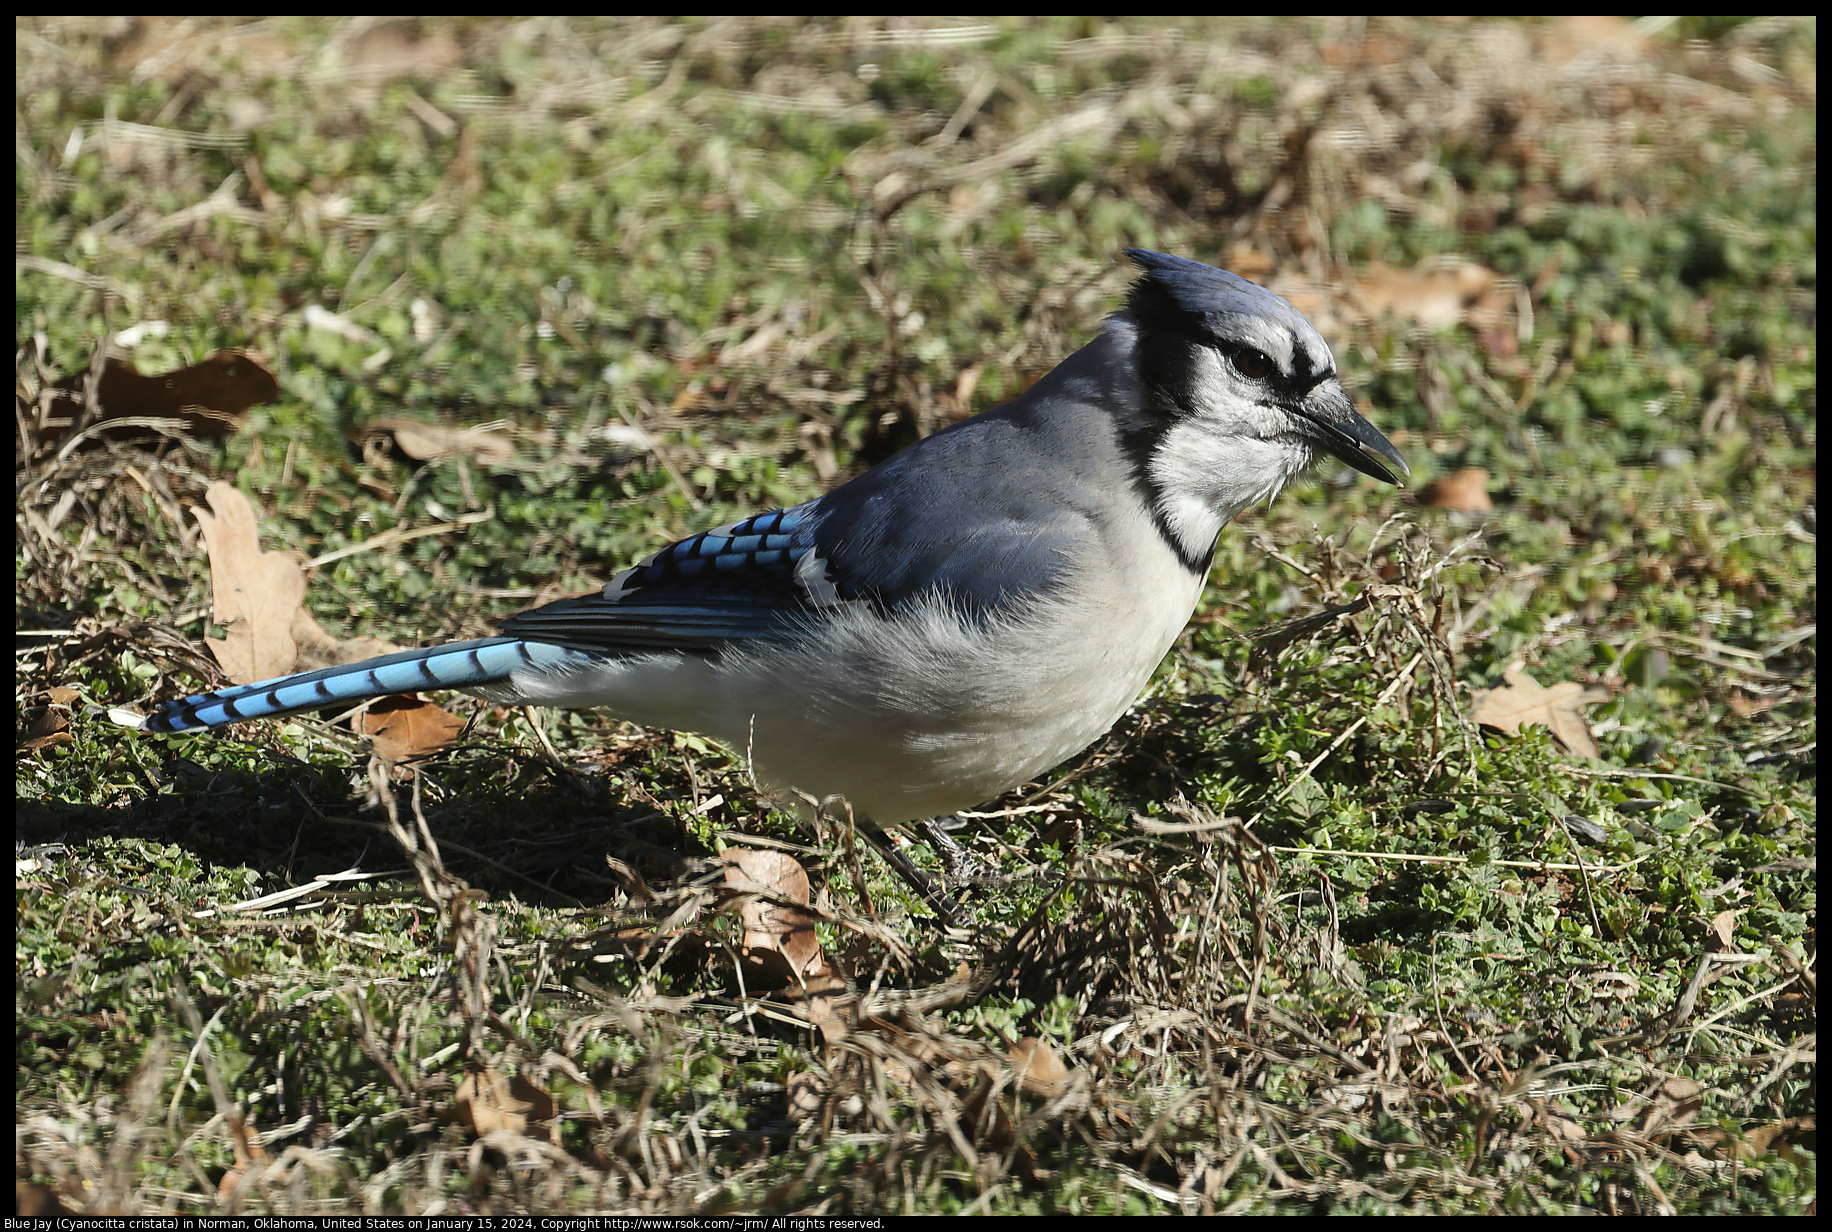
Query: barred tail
[{"x": 458, "y": 665}]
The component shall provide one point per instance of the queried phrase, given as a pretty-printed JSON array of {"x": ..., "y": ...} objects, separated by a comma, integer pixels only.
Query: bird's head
[{"x": 1241, "y": 396}]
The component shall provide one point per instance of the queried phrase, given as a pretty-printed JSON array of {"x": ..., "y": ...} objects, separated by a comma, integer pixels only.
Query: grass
[{"x": 1303, "y": 936}]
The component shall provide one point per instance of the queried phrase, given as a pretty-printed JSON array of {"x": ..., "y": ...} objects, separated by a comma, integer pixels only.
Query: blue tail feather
[{"x": 459, "y": 665}]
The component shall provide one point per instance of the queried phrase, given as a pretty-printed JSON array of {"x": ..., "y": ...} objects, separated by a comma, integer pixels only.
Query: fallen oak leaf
[
  {"x": 250, "y": 1156},
  {"x": 1041, "y": 1070},
  {"x": 43, "y": 1202},
  {"x": 1523, "y": 701},
  {"x": 254, "y": 593},
  {"x": 49, "y": 728},
  {"x": 209, "y": 398},
  {"x": 404, "y": 727},
  {"x": 777, "y": 938},
  {"x": 1464, "y": 491},
  {"x": 1434, "y": 296},
  {"x": 487, "y": 1102},
  {"x": 319, "y": 649},
  {"x": 827, "y": 1002},
  {"x": 426, "y": 442},
  {"x": 52, "y": 726},
  {"x": 260, "y": 597}
]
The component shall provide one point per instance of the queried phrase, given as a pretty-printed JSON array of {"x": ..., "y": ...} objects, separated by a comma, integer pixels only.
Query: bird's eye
[{"x": 1253, "y": 365}]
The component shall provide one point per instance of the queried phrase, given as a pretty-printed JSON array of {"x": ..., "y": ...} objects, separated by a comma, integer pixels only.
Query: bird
[{"x": 958, "y": 619}]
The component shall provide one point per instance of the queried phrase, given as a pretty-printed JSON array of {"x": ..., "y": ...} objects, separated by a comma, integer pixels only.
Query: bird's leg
[
  {"x": 959, "y": 863},
  {"x": 951, "y": 912}
]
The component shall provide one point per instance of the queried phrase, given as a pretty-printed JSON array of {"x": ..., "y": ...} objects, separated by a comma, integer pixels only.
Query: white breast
[{"x": 938, "y": 713}]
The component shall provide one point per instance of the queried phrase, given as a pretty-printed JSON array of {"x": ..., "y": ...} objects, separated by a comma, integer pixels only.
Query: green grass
[{"x": 1410, "y": 981}]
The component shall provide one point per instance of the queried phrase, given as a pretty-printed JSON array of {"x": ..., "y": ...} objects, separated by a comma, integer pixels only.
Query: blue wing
[
  {"x": 739, "y": 581},
  {"x": 936, "y": 521}
]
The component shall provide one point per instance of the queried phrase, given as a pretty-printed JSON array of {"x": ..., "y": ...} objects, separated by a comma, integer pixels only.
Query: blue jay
[{"x": 963, "y": 616}]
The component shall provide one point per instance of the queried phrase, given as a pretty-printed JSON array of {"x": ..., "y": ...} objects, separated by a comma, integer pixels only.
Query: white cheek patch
[
  {"x": 1206, "y": 470},
  {"x": 1215, "y": 383}
]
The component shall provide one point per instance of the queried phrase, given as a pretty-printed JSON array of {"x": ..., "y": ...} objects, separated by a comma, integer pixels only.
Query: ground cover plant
[{"x": 1460, "y": 858}]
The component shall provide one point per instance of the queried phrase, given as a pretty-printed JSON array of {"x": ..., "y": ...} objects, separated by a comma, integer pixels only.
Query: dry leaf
[
  {"x": 260, "y": 597},
  {"x": 1565, "y": 39},
  {"x": 1564, "y": 1127},
  {"x": 425, "y": 442},
  {"x": 1443, "y": 294},
  {"x": 51, "y": 727},
  {"x": 958, "y": 402},
  {"x": 256, "y": 593},
  {"x": 1760, "y": 1139},
  {"x": 1744, "y": 701},
  {"x": 42, "y": 1202},
  {"x": 1676, "y": 1104},
  {"x": 1723, "y": 930},
  {"x": 404, "y": 727},
  {"x": 210, "y": 398},
  {"x": 319, "y": 649},
  {"x": 779, "y": 939},
  {"x": 1041, "y": 1071},
  {"x": 1522, "y": 701},
  {"x": 807, "y": 1093},
  {"x": 1249, "y": 262},
  {"x": 827, "y": 1002},
  {"x": 249, "y": 1155},
  {"x": 1464, "y": 491},
  {"x": 487, "y": 1102}
]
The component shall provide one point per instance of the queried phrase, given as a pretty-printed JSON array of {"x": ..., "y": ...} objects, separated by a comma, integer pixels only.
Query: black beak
[{"x": 1341, "y": 433}]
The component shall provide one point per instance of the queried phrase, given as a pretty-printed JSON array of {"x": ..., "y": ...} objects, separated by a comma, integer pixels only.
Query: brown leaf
[
  {"x": 1250, "y": 262},
  {"x": 828, "y": 1003},
  {"x": 41, "y": 1201},
  {"x": 51, "y": 727},
  {"x": 1440, "y": 295},
  {"x": 988, "y": 1120},
  {"x": 807, "y": 1094},
  {"x": 1564, "y": 1127},
  {"x": 1744, "y": 702},
  {"x": 1723, "y": 928},
  {"x": 1523, "y": 701},
  {"x": 319, "y": 649},
  {"x": 1676, "y": 1104},
  {"x": 1565, "y": 39},
  {"x": 1760, "y": 1139},
  {"x": 771, "y": 929},
  {"x": 1041, "y": 1071},
  {"x": 210, "y": 398},
  {"x": 404, "y": 727},
  {"x": 958, "y": 403},
  {"x": 249, "y": 1156},
  {"x": 256, "y": 593},
  {"x": 1465, "y": 491},
  {"x": 425, "y": 442},
  {"x": 487, "y": 1102}
]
